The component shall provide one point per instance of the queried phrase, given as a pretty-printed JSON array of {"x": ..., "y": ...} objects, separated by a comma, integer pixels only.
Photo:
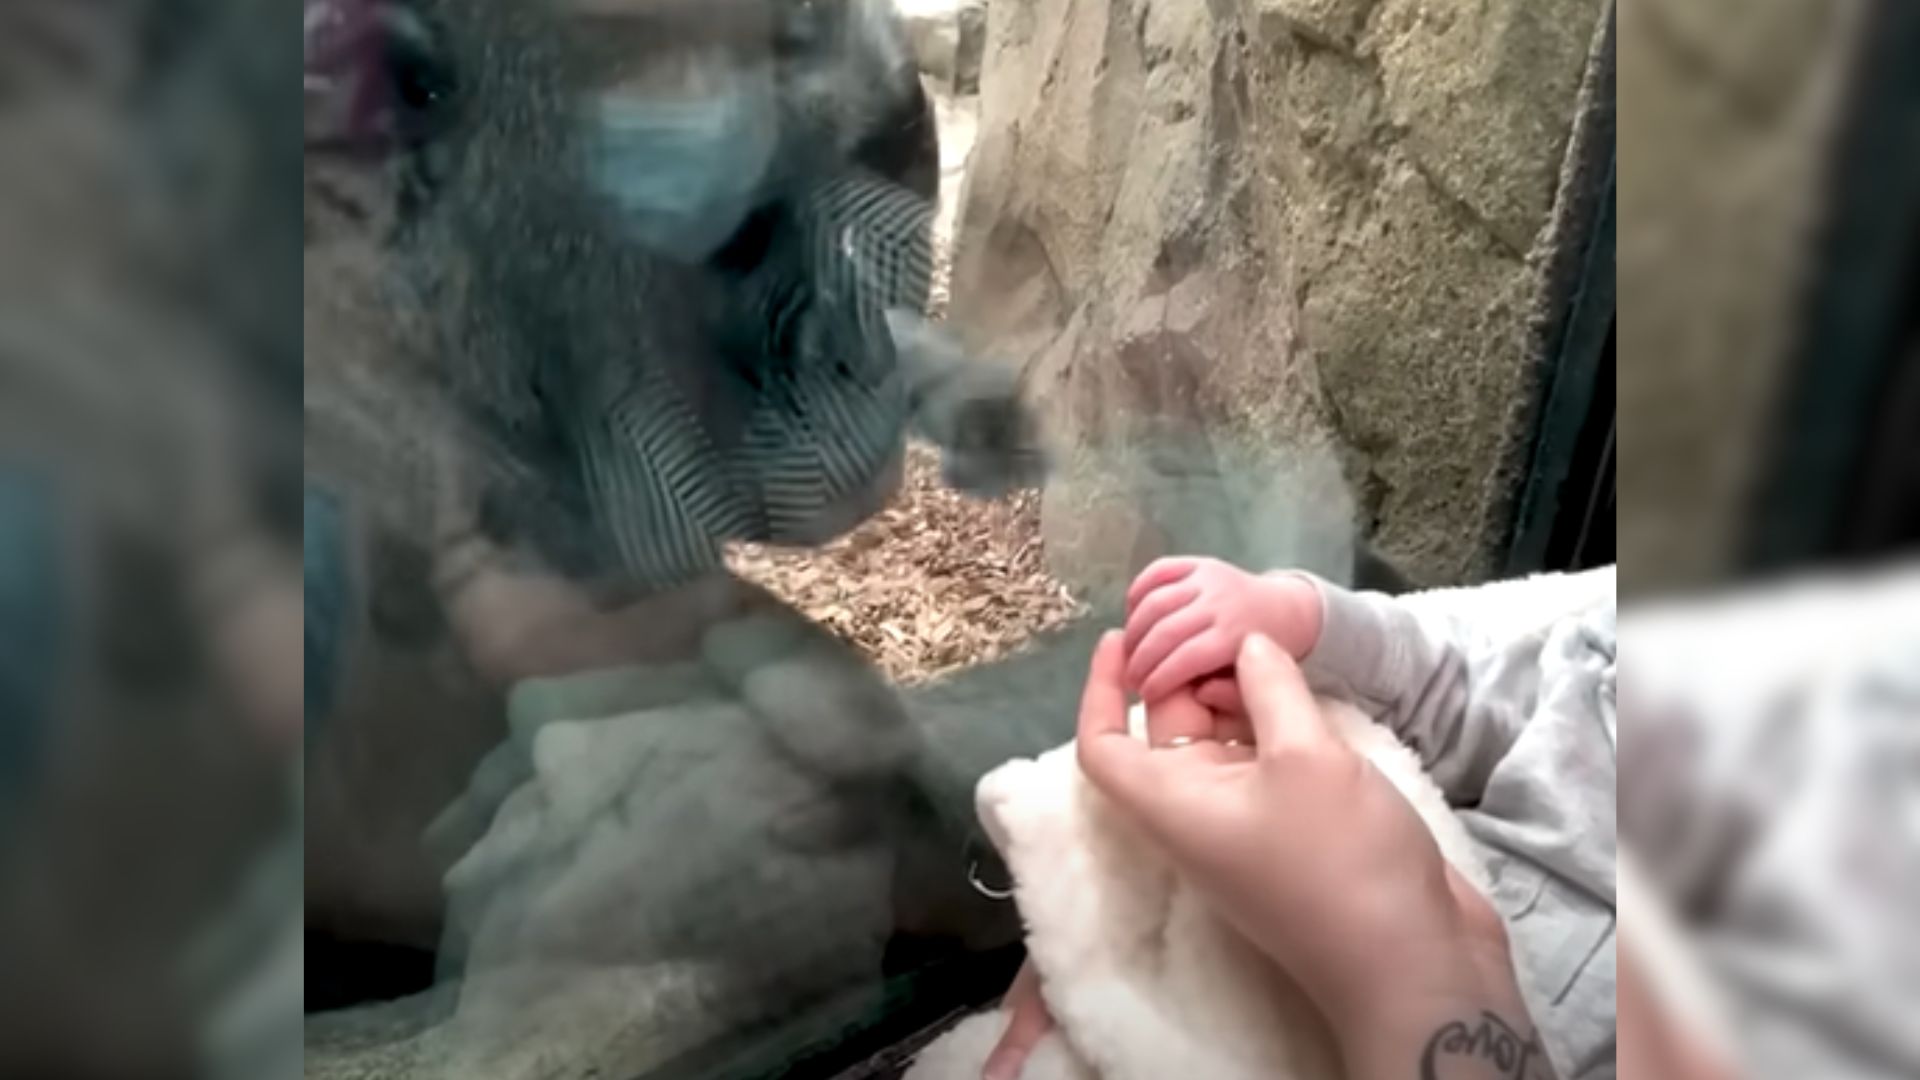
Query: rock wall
[
  {"x": 1261, "y": 223},
  {"x": 1727, "y": 115}
]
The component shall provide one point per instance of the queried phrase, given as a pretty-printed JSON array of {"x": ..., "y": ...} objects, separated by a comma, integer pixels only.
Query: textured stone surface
[
  {"x": 1334, "y": 23},
  {"x": 1482, "y": 92},
  {"x": 1262, "y": 222},
  {"x": 970, "y": 48},
  {"x": 1726, "y": 114},
  {"x": 948, "y": 37},
  {"x": 933, "y": 28}
]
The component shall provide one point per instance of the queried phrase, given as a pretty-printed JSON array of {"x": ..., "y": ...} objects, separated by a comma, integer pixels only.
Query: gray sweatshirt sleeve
[
  {"x": 1455, "y": 678},
  {"x": 1770, "y": 776}
]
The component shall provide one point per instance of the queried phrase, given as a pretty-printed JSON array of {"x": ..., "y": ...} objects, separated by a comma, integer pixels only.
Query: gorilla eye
[
  {"x": 377, "y": 73},
  {"x": 423, "y": 81},
  {"x": 417, "y": 85}
]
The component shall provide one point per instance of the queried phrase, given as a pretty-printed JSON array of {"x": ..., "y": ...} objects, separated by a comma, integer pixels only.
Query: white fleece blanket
[{"x": 1144, "y": 981}]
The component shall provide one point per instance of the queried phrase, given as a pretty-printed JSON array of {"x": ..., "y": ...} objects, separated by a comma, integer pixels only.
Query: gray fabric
[
  {"x": 1507, "y": 695},
  {"x": 1770, "y": 791},
  {"x": 822, "y": 406},
  {"x": 832, "y": 403}
]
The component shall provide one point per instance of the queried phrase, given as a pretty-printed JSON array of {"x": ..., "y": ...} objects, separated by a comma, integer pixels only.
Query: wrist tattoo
[{"x": 1466, "y": 1048}]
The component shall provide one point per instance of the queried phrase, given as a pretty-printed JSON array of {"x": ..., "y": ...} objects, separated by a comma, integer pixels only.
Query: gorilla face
[
  {"x": 835, "y": 78},
  {"x": 559, "y": 176},
  {"x": 848, "y": 70},
  {"x": 685, "y": 172}
]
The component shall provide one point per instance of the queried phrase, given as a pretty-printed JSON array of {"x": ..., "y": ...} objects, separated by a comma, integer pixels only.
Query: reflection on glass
[{"x": 651, "y": 483}]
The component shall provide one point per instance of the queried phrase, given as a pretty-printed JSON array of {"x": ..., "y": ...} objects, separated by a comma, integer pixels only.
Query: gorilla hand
[{"x": 988, "y": 438}]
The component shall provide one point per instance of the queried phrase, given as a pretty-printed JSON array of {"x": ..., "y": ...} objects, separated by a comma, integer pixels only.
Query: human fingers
[
  {"x": 1028, "y": 1021},
  {"x": 1103, "y": 701},
  {"x": 1279, "y": 704},
  {"x": 1159, "y": 572},
  {"x": 1173, "y": 631},
  {"x": 1111, "y": 757},
  {"x": 1155, "y": 608},
  {"x": 1176, "y": 720},
  {"x": 1231, "y": 725},
  {"x": 1221, "y": 693},
  {"x": 1191, "y": 661},
  {"x": 1235, "y": 732}
]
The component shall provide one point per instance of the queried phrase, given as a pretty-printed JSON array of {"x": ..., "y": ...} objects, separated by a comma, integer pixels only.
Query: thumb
[
  {"x": 1282, "y": 709},
  {"x": 1111, "y": 757}
]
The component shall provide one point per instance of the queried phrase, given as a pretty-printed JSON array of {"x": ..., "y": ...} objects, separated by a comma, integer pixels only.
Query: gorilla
[{"x": 592, "y": 290}]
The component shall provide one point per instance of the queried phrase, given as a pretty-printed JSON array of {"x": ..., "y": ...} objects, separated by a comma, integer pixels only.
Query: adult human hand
[
  {"x": 1651, "y": 1040},
  {"x": 1188, "y": 617},
  {"x": 1028, "y": 1021},
  {"x": 1309, "y": 852}
]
